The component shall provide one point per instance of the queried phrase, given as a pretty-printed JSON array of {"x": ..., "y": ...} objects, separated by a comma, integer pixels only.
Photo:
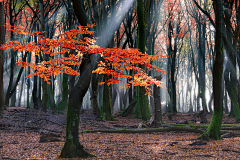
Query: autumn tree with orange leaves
[{"x": 119, "y": 59}]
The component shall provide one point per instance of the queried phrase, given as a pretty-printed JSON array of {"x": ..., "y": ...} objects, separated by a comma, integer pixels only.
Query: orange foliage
[{"x": 117, "y": 60}]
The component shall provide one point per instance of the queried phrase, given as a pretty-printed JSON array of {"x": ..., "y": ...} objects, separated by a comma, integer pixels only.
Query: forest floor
[{"x": 23, "y": 133}]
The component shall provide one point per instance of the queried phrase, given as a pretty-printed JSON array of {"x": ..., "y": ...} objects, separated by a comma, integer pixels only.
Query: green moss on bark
[
  {"x": 106, "y": 111},
  {"x": 73, "y": 149},
  {"x": 213, "y": 130},
  {"x": 63, "y": 103},
  {"x": 142, "y": 108}
]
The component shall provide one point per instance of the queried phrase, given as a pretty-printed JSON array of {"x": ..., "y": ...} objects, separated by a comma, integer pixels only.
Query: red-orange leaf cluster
[{"x": 116, "y": 60}]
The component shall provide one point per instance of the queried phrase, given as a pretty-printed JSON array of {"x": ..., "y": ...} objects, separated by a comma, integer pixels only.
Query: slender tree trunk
[
  {"x": 231, "y": 87},
  {"x": 28, "y": 81},
  {"x": 39, "y": 92},
  {"x": 174, "y": 96},
  {"x": 231, "y": 113},
  {"x": 64, "y": 101},
  {"x": 201, "y": 65},
  {"x": 51, "y": 98},
  {"x": 21, "y": 92},
  {"x": 225, "y": 101},
  {"x": 65, "y": 89},
  {"x": 13, "y": 99},
  {"x": 95, "y": 106},
  {"x": 44, "y": 84},
  {"x": 7, "y": 97},
  {"x": 35, "y": 88},
  {"x": 157, "y": 101},
  {"x": 2, "y": 37}
]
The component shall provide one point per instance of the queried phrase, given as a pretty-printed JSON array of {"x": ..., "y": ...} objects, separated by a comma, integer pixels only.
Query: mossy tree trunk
[
  {"x": 231, "y": 38},
  {"x": 231, "y": 114},
  {"x": 213, "y": 130},
  {"x": 106, "y": 112},
  {"x": 231, "y": 81},
  {"x": 64, "y": 101},
  {"x": 142, "y": 108}
]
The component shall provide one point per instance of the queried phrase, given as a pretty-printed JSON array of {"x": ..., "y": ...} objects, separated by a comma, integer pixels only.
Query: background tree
[
  {"x": 231, "y": 34},
  {"x": 2, "y": 40}
]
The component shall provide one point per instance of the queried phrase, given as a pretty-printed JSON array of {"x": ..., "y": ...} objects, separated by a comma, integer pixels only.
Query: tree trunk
[
  {"x": 64, "y": 101},
  {"x": 201, "y": 65},
  {"x": 51, "y": 98},
  {"x": 95, "y": 106},
  {"x": 44, "y": 96},
  {"x": 44, "y": 84},
  {"x": 157, "y": 101},
  {"x": 231, "y": 114},
  {"x": 72, "y": 146},
  {"x": 2, "y": 37},
  {"x": 130, "y": 108},
  {"x": 7, "y": 98},
  {"x": 28, "y": 81},
  {"x": 213, "y": 130},
  {"x": 142, "y": 108},
  {"x": 65, "y": 90},
  {"x": 225, "y": 101},
  {"x": 35, "y": 88},
  {"x": 231, "y": 87},
  {"x": 94, "y": 83},
  {"x": 13, "y": 99},
  {"x": 106, "y": 108},
  {"x": 21, "y": 92}
]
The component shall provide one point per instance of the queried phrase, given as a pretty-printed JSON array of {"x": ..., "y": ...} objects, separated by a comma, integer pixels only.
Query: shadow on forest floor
[{"x": 27, "y": 134}]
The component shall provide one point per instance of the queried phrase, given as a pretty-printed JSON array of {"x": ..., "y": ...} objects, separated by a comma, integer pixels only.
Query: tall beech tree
[
  {"x": 142, "y": 108},
  {"x": 14, "y": 11},
  {"x": 231, "y": 40},
  {"x": 213, "y": 130}
]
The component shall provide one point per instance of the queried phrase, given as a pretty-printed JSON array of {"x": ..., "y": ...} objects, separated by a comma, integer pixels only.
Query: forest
[{"x": 119, "y": 79}]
